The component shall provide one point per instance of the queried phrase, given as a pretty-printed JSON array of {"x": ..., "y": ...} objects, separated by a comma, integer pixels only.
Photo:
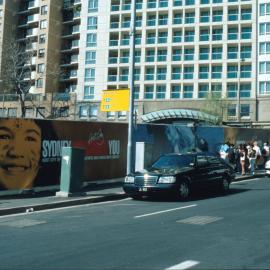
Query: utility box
[
  {"x": 72, "y": 167},
  {"x": 143, "y": 155}
]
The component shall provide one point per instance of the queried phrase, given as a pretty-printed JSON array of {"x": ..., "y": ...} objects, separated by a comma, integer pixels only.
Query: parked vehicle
[
  {"x": 179, "y": 174},
  {"x": 267, "y": 167}
]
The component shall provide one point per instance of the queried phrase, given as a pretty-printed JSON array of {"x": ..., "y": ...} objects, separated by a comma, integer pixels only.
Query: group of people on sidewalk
[{"x": 246, "y": 157}]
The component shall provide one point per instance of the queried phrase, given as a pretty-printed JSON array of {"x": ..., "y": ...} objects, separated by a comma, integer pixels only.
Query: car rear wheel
[
  {"x": 225, "y": 184},
  {"x": 183, "y": 190}
]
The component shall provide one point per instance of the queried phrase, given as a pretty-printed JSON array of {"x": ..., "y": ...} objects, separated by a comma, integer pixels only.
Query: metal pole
[
  {"x": 130, "y": 156},
  {"x": 238, "y": 94}
]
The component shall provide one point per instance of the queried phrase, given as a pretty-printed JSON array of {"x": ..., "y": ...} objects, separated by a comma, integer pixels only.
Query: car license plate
[{"x": 144, "y": 189}]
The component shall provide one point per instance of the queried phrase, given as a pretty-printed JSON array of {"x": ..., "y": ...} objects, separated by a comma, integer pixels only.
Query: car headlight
[
  {"x": 166, "y": 179},
  {"x": 129, "y": 179}
]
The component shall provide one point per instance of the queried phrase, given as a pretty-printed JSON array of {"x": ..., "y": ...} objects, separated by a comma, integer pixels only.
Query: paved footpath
[{"x": 21, "y": 203}]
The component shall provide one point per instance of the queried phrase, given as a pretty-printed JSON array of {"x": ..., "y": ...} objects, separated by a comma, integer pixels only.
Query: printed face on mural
[{"x": 20, "y": 144}]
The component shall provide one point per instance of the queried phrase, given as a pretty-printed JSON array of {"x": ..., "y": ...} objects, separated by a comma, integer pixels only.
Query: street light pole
[
  {"x": 238, "y": 94},
  {"x": 130, "y": 145}
]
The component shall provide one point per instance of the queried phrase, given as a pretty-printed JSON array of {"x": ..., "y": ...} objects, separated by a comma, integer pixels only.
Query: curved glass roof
[{"x": 179, "y": 114}]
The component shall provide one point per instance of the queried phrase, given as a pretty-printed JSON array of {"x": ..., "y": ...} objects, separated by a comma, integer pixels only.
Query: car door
[
  {"x": 201, "y": 175},
  {"x": 216, "y": 171}
]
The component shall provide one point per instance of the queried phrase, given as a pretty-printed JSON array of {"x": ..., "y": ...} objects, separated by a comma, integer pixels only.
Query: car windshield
[{"x": 173, "y": 162}]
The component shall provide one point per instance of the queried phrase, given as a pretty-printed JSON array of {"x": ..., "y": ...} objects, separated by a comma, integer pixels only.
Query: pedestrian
[
  {"x": 258, "y": 153},
  {"x": 252, "y": 160},
  {"x": 242, "y": 154},
  {"x": 265, "y": 151}
]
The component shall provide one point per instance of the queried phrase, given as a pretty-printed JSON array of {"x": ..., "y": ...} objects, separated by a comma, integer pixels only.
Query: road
[{"x": 206, "y": 232}]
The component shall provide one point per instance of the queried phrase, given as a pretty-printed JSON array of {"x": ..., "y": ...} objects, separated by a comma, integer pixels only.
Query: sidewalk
[{"x": 14, "y": 204}]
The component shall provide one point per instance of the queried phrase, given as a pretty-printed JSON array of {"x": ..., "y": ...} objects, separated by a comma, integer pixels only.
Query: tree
[
  {"x": 216, "y": 105},
  {"x": 16, "y": 72}
]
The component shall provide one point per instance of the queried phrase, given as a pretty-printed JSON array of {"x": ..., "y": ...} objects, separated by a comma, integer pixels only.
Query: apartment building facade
[{"x": 184, "y": 49}]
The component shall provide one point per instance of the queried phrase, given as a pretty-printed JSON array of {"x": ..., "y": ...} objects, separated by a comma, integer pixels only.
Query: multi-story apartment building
[{"x": 184, "y": 49}]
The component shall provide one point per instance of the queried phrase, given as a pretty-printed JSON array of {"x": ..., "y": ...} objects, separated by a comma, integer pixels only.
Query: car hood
[{"x": 167, "y": 171}]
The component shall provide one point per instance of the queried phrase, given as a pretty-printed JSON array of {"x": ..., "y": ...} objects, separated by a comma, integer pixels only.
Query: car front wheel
[
  {"x": 183, "y": 190},
  {"x": 225, "y": 184}
]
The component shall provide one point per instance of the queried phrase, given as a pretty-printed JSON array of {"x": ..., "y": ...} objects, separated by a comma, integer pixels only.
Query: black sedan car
[{"x": 178, "y": 174}]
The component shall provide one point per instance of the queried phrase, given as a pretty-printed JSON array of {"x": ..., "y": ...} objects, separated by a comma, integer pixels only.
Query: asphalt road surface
[{"x": 206, "y": 232}]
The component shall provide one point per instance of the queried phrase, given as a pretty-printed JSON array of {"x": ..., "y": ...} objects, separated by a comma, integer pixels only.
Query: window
[
  {"x": 151, "y": 20},
  {"x": 41, "y": 53},
  {"x": 245, "y": 71},
  {"x": 264, "y": 67},
  {"x": 216, "y": 53},
  {"x": 232, "y": 71},
  {"x": 43, "y": 24},
  {"x": 204, "y": 53},
  {"x": 29, "y": 112},
  {"x": 204, "y": 34},
  {"x": 150, "y": 56},
  {"x": 162, "y": 37},
  {"x": 136, "y": 92},
  {"x": 188, "y": 72},
  {"x": 175, "y": 91},
  {"x": 122, "y": 115},
  {"x": 149, "y": 73},
  {"x": 163, "y": 19},
  {"x": 189, "y": 35},
  {"x": 151, "y": 38},
  {"x": 245, "y": 110},
  {"x": 245, "y": 90},
  {"x": 161, "y": 73},
  {"x": 91, "y": 23},
  {"x": 176, "y": 55},
  {"x": 39, "y": 83},
  {"x": 137, "y": 74},
  {"x": 88, "y": 92},
  {"x": 264, "y": 28},
  {"x": 149, "y": 92},
  {"x": 12, "y": 112},
  {"x": 217, "y": 15},
  {"x": 217, "y": 34},
  {"x": 216, "y": 89},
  {"x": 42, "y": 39},
  {"x": 90, "y": 57},
  {"x": 176, "y": 73},
  {"x": 203, "y": 90},
  {"x": 232, "y": 89},
  {"x": 91, "y": 40},
  {"x": 233, "y": 15},
  {"x": 216, "y": 72},
  {"x": 177, "y": 36},
  {"x": 232, "y": 33},
  {"x": 92, "y": 6},
  {"x": 83, "y": 111},
  {"x": 246, "y": 14},
  {"x": 264, "y": 48},
  {"x": 177, "y": 18},
  {"x": 264, "y": 88},
  {"x": 203, "y": 72},
  {"x": 161, "y": 92},
  {"x": 44, "y": 10},
  {"x": 231, "y": 111},
  {"x": 246, "y": 33},
  {"x": 188, "y": 91},
  {"x": 246, "y": 51},
  {"x": 40, "y": 68},
  {"x": 40, "y": 112},
  {"x": 232, "y": 52},
  {"x": 89, "y": 74},
  {"x": 110, "y": 115},
  {"x": 93, "y": 111},
  {"x": 189, "y": 17},
  {"x": 161, "y": 55},
  {"x": 264, "y": 9},
  {"x": 204, "y": 16},
  {"x": 189, "y": 54}
]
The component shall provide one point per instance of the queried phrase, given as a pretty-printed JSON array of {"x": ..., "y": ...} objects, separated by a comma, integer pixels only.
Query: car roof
[{"x": 191, "y": 154}]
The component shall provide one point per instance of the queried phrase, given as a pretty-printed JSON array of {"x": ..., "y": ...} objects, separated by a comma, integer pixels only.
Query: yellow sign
[{"x": 115, "y": 100}]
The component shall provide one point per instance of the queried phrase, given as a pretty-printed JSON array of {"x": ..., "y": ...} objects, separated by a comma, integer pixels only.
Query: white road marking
[
  {"x": 183, "y": 265},
  {"x": 165, "y": 211},
  {"x": 200, "y": 220}
]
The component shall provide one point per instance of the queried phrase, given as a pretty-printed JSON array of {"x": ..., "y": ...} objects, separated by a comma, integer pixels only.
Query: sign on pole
[{"x": 115, "y": 100}]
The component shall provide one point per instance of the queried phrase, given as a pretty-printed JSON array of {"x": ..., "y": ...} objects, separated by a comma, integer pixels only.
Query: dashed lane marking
[
  {"x": 165, "y": 211},
  {"x": 183, "y": 265}
]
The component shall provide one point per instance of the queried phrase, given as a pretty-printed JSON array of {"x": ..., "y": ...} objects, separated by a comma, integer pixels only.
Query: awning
[{"x": 184, "y": 114}]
